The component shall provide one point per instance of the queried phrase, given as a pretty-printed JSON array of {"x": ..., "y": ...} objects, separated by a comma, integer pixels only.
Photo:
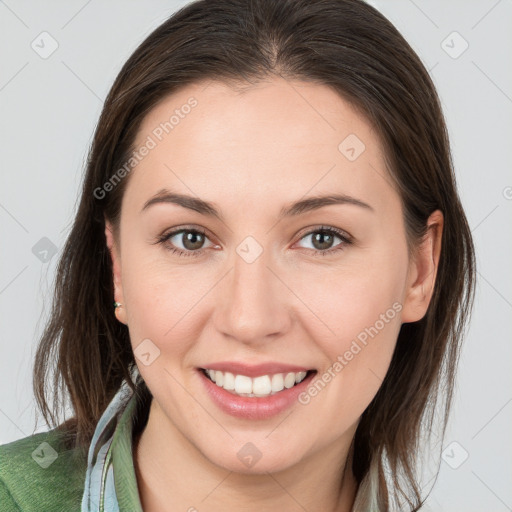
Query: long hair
[{"x": 352, "y": 48}]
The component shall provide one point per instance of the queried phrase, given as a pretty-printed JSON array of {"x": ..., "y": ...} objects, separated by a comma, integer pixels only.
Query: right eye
[{"x": 191, "y": 240}]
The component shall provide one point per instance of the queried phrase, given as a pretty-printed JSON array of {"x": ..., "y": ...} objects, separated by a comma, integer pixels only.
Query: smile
[
  {"x": 254, "y": 398},
  {"x": 262, "y": 386}
]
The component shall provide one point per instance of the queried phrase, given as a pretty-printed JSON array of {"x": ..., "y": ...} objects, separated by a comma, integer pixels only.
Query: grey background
[{"x": 49, "y": 108}]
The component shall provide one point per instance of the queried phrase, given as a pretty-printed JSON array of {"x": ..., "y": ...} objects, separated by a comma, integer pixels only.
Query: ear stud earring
[{"x": 117, "y": 305}]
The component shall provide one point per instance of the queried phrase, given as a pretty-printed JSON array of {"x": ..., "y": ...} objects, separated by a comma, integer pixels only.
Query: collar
[{"x": 110, "y": 482}]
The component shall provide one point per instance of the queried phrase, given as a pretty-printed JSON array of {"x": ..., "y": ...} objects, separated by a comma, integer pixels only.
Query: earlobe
[
  {"x": 119, "y": 311},
  {"x": 423, "y": 271}
]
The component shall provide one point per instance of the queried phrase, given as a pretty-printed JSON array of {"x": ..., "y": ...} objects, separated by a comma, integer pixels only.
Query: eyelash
[{"x": 346, "y": 240}]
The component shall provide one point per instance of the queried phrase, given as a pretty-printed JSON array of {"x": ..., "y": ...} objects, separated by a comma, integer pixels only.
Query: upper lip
[{"x": 255, "y": 370}]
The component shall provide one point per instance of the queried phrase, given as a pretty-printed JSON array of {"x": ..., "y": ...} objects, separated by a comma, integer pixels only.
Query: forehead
[{"x": 277, "y": 140}]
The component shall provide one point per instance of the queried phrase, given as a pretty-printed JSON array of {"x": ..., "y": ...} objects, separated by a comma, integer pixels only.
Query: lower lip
[{"x": 254, "y": 408}]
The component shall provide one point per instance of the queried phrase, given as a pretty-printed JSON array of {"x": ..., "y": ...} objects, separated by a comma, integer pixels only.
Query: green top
[
  {"x": 39, "y": 473},
  {"x": 32, "y": 479}
]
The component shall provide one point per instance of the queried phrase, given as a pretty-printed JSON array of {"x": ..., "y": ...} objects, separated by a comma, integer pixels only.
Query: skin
[{"x": 251, "y": 154}]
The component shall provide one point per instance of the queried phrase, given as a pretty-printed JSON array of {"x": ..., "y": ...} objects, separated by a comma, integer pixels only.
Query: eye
[
  {"x": 190, "y": 241},
  {"x": 185, "y": 241},
  {"x": 322, "y": 240}
]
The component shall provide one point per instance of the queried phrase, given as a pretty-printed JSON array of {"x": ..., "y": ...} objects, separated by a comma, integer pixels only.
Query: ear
[
  {"x": 423, "y": 271},
  {"x": 113, "y": 248}
]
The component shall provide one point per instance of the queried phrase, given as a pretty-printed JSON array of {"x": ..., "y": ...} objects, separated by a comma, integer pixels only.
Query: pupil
[
  {"x": 320, "y": 238},
  {"x": 193, "y": 240}
]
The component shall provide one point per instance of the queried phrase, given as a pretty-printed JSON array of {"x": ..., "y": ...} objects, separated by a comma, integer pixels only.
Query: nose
[{"x": 252, "y": 304}]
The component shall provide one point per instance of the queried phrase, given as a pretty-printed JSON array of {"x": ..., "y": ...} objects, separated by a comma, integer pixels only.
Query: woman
[{"x": 270, "y": 205}]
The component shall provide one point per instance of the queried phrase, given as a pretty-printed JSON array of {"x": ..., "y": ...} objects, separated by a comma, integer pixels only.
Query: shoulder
[{"x": 41, "y": 472}]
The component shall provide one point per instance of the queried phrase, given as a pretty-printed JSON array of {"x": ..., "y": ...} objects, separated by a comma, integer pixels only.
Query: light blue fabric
[{"x": 100, "y": 491}]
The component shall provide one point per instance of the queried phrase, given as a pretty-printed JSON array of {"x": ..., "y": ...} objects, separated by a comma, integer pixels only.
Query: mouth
[
  {"x": 258, "y": 398},
  {"x": 256, "y": 387}
]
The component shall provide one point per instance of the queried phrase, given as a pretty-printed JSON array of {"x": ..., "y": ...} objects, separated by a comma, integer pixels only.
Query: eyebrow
[{"x": 297, "y": 208}]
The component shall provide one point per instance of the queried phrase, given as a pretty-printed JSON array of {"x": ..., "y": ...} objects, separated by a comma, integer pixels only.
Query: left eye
[{"x": 322, "y": 239}]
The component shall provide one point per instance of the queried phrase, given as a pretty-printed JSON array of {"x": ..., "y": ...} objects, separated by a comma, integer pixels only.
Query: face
[{"x": 323, "y": 287}]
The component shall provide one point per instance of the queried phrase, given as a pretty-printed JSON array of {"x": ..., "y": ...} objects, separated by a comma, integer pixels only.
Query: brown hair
[{"x": 351, "y": 47}]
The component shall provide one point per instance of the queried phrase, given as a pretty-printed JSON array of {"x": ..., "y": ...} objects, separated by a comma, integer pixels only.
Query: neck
[{"x": 175, "y": 475}]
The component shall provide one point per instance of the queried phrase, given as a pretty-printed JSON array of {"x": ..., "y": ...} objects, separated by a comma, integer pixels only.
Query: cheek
[
  {"x": 357, "y": 314},
  {"x": 364, "y": 313},
  {"x": 344, "y": 303},
  {"x": 161, "y": 302}
]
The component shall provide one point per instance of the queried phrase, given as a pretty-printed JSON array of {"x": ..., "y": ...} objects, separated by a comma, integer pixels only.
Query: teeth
[
  {"x": 277, "y": 382},
  {"x": 264, "y": 385},
  {"x": 261, "y": 385},
  {"x": 289, "y": 380},
  {"x": 243, "y": 384},
  {"x": 229, "y": 381}
]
